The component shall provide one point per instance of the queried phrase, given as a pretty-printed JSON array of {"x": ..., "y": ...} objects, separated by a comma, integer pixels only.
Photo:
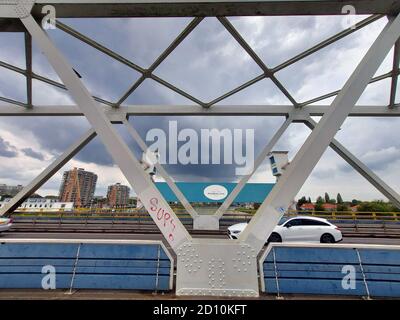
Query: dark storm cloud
[
  {"x": 7, "y": 150},
  {"x": 33, "y": 154},
  {"x": 263, "y": 131}
]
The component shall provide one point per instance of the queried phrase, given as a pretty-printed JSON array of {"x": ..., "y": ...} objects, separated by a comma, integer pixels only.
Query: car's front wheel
[
  {"x": 274, "y": 237},
  {"x": 327, "y": 238}
]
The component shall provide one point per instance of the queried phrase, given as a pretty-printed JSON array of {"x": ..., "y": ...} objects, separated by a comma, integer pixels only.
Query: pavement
[{"x": 37, "y": 294}]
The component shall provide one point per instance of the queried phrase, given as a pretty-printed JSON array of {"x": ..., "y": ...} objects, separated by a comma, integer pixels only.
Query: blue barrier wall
[
  {"x": 85, "y": 265},
  {"x": 311, "y": 270},
  {"x": 194, "y": 191}
]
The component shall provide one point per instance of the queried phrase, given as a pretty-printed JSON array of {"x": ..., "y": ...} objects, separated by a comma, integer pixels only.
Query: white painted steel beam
[
  {"x": 28, "y": 59},
  {"x": 148, "y": 72},
  {"x": 46, "y": 174},
  {"x": 395, "y": 76},
  {"x": 260, "y": 158},
  {"x": 157, "y": 8},
  {"x": 361, "y": 168},
  {"x": 12, "y": 108},
  {"x": 277, "y": 202},
  {"x": 181, "y": 197},
  {"x": 145, "y": 73},
  {"x": 167, "y": 221},
  {"x": 335, "y": 93},
  {"x": 268, "y": 73}
]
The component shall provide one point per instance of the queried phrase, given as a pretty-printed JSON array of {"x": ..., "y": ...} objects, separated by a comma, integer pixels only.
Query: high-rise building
[
  {"x": 118, "y": 195},
  {"x": 78, "y": 186},
  {"x": 6, "y": 190}
]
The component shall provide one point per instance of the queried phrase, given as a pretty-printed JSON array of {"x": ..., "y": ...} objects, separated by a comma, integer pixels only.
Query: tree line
[{"x": 362, "y": 206}]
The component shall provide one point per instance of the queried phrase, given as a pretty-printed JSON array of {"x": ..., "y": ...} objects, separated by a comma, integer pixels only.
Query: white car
[
  {"x": 5, "y": 224},
  {"x": 309, "y": 229}
]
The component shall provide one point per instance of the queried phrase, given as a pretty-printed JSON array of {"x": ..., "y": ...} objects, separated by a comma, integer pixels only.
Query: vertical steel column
[
  {"x": 277, "y": 202},
  {"x": 48, "y": 172},
  {"x": 166, "y": 220}
]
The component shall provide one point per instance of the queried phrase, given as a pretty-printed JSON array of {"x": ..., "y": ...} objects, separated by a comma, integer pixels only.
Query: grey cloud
[
  {"x": 7, "y": 150},
  {"x": 33, "y": 154}
]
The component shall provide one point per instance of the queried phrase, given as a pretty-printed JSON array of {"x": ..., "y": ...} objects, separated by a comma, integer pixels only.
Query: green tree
[
  {"x": 327, "y": 198},
  {"x": 309, "y": 200},
  {"x": 301, "y": 201},
  {"x": 342, "y": 207},
  {"x": 339, "y": 198},
  {"x": 320, "y": 200},
  {"x": 375, "y": 206},
  {"x": 319, "y": 206}
]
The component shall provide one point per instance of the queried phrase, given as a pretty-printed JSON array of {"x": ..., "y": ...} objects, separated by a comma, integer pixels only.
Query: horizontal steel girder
[
  {"x": 179, "y": 8},
  {"x": 192, "y": 110}
]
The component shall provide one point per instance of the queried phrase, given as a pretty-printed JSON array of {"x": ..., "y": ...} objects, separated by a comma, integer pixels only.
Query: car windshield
[{"x": 282, "y": 221}]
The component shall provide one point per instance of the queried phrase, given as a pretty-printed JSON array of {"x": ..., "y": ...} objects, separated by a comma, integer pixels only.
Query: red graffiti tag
[{"x": 163, "y": 216}]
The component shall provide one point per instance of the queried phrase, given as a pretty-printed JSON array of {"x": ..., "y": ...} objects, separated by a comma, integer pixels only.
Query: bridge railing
[
  {"x": 324, "y": 269},
  {"x": 85, "y": 264},
  {"x": 348, "y": 215},
  {"x": 141, "y": 215},
  {"x": 351, "y": 224}
]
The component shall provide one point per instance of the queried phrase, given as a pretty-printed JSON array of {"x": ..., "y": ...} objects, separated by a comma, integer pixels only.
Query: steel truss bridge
[{"x": 199, "y": 259}]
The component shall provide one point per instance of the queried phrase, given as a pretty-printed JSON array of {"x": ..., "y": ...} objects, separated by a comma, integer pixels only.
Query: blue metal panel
[
  {"x": 38, "y": 250},
  {"x": 31, "y": 281},
  {"x": 309, "y": 275},
  {"x": 119, "y": 270},
  {"x": 307, "y": 286},
  {"x": 32, "y": 269},
  {"x": 36, "y": 262},
  {"x": 139, "y": 282},
  {"x": 121, "y": 251},
  {"x": 124, "y": 263},
  {"x": 318, "y": 271},
  {"x": 384, "y": 289},
  {"x": 308, "y": 267},
  {"x": 381, "y": 269},
  {"x": 99, "y": 266},
  {"x": 380, "y": 257},
  {"x": 317, "y": 255},
  {"x": 194, "y": 191},
  {"x": 382, "y": 276}
]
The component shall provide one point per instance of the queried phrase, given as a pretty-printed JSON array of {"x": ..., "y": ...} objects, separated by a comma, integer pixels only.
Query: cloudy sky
[{"x": 208, "y": 63}]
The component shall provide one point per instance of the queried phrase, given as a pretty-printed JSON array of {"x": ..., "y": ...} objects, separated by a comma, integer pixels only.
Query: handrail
[{"x": 232, "y": 215}]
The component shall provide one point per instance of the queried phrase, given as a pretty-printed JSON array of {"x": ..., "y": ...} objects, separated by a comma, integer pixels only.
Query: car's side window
[
  {"x": 293, "y": 223},
  {"x": 309, "y": 222}
]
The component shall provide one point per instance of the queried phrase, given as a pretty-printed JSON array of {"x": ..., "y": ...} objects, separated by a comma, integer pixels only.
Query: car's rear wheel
[
  {"x": 274, "y": 237},
  {"x": 327, "y": 238}
]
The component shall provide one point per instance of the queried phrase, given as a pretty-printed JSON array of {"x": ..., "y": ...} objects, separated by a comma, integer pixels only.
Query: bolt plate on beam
[
  {"x": 15, "y": 8},
  {"x": 207, "y": 267}
]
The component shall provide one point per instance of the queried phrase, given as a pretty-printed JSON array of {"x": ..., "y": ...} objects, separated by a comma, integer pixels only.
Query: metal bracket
[{"x": 207, "y": 267}]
